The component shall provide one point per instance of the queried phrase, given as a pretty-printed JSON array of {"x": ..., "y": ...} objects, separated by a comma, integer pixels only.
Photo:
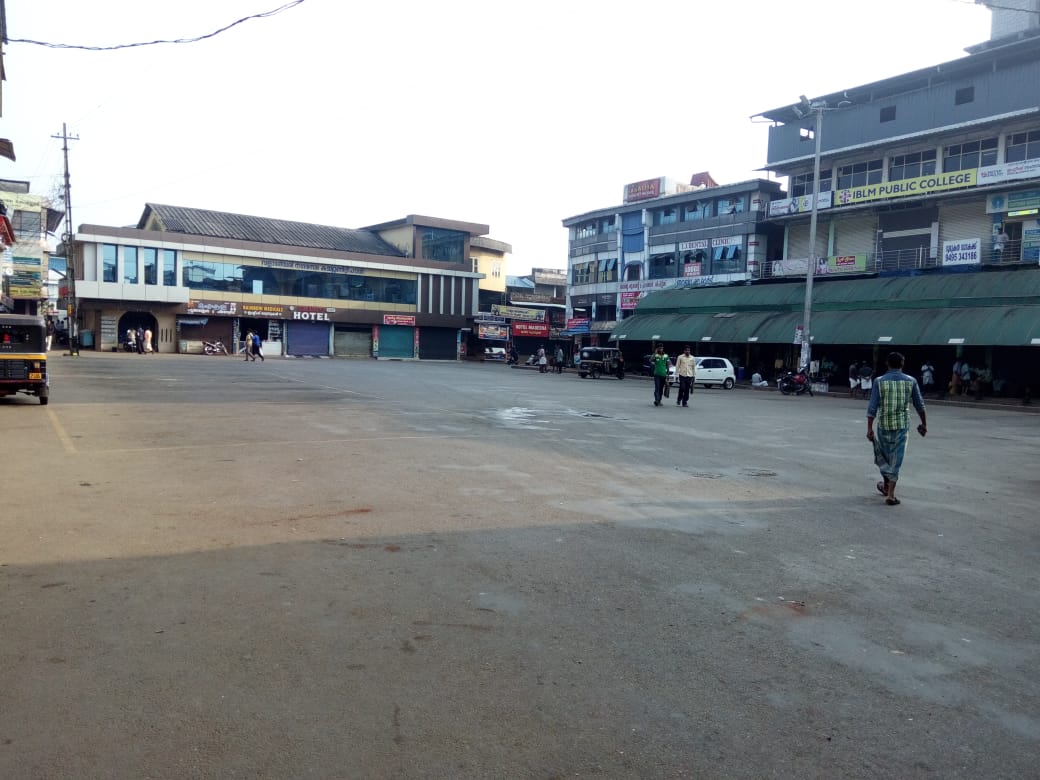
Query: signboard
[
  {"x": 799, "y": 205},
  {"x": 578, "y": 325},
  {"x": 906, "y": 187},
  {"x": 843, "y": 264},
  {"x": 516, "y": 313},
  {"x": 642, "y": 190},
  {"x": 224, "y": 308},
  {"x": 642, "y": 285},
  {"x": 493, "y": 332},
  {"x": 535, "y": 329},
  {"x": 493, "y": 319},
  {"x": 26, "y": 279},
  {"x": 630, "y": 299},
  {"x": 398, "y": 319},
  {"x": 964, "y": 252},
  {"x": 268, "y": 310},
  {"x": 1026, "y": 200},
  {"x": 994, "y": 174},
  {"x": 692, "y": 269},
  {"x": 693, "y": 246}
]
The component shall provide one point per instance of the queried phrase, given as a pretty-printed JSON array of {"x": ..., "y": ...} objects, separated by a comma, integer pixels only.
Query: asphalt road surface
[{"x": 360, "y": 569}]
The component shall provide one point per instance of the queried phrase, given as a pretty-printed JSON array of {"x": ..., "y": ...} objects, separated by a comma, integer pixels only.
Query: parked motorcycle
[
  {"x": 795, "y": 383},
  {"x": 214, "y": 348}
]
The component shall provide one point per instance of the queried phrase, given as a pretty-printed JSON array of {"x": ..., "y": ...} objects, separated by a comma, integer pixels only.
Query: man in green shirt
[
  {"x": 660, "y": 363},
  {"x": 890, "y": 400}
]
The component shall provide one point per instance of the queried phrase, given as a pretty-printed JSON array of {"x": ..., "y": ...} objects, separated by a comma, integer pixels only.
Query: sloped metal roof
[{"x": 240, "y": 227}]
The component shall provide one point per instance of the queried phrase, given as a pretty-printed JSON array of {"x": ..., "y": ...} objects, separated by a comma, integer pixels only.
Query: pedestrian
[
  {"x": 258, "y": 348},
  {"x": 965, "y": 377},
  {"x": 543, "y": 361},
  {"x": 955, "y": 378},
  {"x": 559, "y": 360},
  {"x": 853, "y": 378},
  {"x": 866, "y": 379},
  {"x": 50, "y": 332},
  {"x": 139, "y": 340},
  {"x": 660, "y": 366},
  {"x": 147, "y": 341},
  {"x": 927, "y": 378},
  {"x": 685, "y": 370},
  {"x": 248, "y": 344},
  {"x": 131, "y": 340},
  {"x": 890, "y": 400},
  {"x": 1000, "y": 244}
]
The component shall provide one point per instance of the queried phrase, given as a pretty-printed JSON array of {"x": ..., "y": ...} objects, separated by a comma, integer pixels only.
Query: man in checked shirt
[{"x": 890, "y": 400}]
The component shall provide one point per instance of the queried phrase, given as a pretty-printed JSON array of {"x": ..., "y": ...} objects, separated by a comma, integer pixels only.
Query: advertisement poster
[
  {"x": 967, "y": 251},
  {"x": 629, "y": 300},
  {"x": 493, "y": 332}
]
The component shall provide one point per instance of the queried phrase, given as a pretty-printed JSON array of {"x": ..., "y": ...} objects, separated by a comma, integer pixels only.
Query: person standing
[
  {"x": 139, "y": 339},
  {"x": 965, "y": 377},
  {"x": 955, "y": 378},
  {"x": 559, "y": 360},
  {"x": 927, "y": 378},
  {"x": 147, "y": 341},
  {"x": 248, "y": 342},
  {"x": 1000, "y": 245},
  {"x": 685, "y": 370},
  {"x": 543, "y": 361},
  {"x": 660, "y": 366},
  {"x": 890, "y": 400},
  {"x": 866, "y": 379},
  {"x": 50, "y": 332},
  {"x": 853, "y": 378}
]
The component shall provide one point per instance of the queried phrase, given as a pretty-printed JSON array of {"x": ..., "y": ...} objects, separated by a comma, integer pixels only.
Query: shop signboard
[
  {"x": 578, "y": 325},
  {"x": 493, "y": 332},
  {"x": 799, "y": 205},
  {"x": 629, "y": 300},
  {"x": 842, "y": 264},
  {"x": 26, "y": 279},
  {"x": 518, "y": 313},
  {"x": 642, "y": 190},
  {"x": 1005, "y": 202},
  {"x": 967, "y": 251},
  {"x": 221, "y": 308},
  {"x": 902, "y": 188},
  {"x": 1025, "y": 169},
  {"x": 534, "y": 329},
  {"x": 263, "y": 310},
  {"x": 399, "y": 319}
]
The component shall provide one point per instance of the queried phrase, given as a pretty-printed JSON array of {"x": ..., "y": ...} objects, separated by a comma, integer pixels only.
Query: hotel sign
[{"x": 642, "y": 190}]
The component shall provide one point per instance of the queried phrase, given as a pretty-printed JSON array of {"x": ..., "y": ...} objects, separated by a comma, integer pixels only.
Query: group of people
[
  {"x": 861, "y": 379},
  {"x": 253, "y": 346},
  {"x": 139, "y": 340},
  {"x": 685, "y": 373},
  {"x": 543, "y": 361}
]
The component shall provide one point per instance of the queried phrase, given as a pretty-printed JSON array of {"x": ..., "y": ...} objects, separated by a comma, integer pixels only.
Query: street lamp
[{"x": 801, "y": 110}]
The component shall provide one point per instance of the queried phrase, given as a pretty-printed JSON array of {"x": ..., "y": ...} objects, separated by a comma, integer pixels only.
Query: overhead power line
[{"x": 263, "y": 15}]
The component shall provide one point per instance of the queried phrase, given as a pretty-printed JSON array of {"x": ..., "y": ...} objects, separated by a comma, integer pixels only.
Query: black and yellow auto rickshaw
[
  {"x": 23, "y": 356},
  {"x": 600, "y": 361}
]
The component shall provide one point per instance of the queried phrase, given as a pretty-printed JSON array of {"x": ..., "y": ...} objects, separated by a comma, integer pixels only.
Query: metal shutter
[
  {"x": 798, "y": 241},
  {"x": 352, "y": 343},
  {"x": 307, "y": 339},
  {"x": 438, "y": 344},
  {"x": 960, "y": 221},
  {"x": 855, "y": 234},
  {"x": 396, "y": 341}
]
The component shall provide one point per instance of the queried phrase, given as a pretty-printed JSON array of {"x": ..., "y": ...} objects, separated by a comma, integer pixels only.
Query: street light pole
[{"x": 806, "y": 357}]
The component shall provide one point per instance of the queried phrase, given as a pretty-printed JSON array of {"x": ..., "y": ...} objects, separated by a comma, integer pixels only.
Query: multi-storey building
[
  {"x": 401, "y": 289},
  {"x": 928, "y": 234},
  {"x": 27, "y": 220}
]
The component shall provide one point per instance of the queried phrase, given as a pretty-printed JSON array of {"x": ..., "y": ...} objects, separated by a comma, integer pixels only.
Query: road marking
[{"x": 59, "y": 429}]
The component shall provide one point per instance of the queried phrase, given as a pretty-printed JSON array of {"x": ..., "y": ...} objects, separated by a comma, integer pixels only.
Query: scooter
[
  {"x": 795, "y": 383},
  {"x": 214, "y": 348}
]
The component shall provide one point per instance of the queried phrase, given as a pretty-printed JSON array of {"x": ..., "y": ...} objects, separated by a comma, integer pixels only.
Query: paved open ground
[{"x": 337, "y": 569}]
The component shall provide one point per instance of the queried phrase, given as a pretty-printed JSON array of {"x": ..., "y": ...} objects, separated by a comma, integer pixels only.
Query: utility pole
[{"x": 70, "y": 250}]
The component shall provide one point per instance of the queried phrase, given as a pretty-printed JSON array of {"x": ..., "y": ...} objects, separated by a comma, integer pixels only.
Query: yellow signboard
[{"x": 906, "y": 187}]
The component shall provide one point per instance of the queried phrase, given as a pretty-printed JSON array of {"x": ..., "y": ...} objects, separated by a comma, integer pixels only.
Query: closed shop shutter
[
  {"x": 855, "y": 234},
  {"x": 798, "y": 241},
  {"x": 960, "y": 221},
  {"x": 352, "y": 343},
  {"x": 438, "y": 344},
  {"x": 307, "y": 338},
  {"x": 396, "y": 341}
]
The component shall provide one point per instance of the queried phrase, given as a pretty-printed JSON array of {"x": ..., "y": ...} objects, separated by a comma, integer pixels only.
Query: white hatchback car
[{"x": 713, "y": 371}]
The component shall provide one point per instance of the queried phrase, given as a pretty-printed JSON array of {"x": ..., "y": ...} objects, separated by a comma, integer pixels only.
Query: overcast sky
[{"x": 514, "y": 115}]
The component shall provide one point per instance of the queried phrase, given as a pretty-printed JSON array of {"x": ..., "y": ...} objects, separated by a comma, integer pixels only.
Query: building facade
[
  {"x": 928, "y": 235},
  {"x": 664, "y": 236},
  {"x": 402, "y": 289},
  {"x": 27, "y": 219}
]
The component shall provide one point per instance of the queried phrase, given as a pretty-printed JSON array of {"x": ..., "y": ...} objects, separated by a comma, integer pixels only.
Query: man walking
[
  {"x": 890, "y": 400},
  {"x": 660, "y": 364},
  {"x": 685, "y": 369},
  {"x": 559, "y": 360}
]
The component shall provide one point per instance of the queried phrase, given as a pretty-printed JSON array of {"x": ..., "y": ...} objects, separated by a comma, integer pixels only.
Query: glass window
[
  {"x": 585, "y": 230},
  {"x": 27, "y": 224},
  {"x": 1022, "y": 146},
  {"x": 695, "y": 211},
  {"x": 607, "y": 225},
  {"x": 912, "y": 166},
  {"x": 108, "y": 262},
  {"x": 129, "y": 265},
  {"x": 732, "y": 205},
  {"x": 663, "y": 266},
  {"x": 234, "y": 277},
  {"x": 581, "y": 273},
  {"x": 151, "y": 265},
  {"x": 802, "y": 183},
  {"x": 667, "y": 216},
  {"x": 972, "y": 154},
  {"x": 169, "y": 268},
  {"x": 859, "y": 174},
  {"x": 446, "y": 246}
]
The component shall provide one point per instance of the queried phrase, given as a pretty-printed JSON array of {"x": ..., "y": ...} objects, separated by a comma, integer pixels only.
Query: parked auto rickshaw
[
  {"x": 601, "y": 361},
  {"x": 23, "y": 356}
]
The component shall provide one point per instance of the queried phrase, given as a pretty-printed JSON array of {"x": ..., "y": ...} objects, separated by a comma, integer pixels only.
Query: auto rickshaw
[
  {"x": 601, "y": 361},
  {"x": 23, "y": 356}
]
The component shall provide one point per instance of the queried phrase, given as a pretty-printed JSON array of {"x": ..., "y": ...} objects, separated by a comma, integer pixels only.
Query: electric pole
[{"x": 70, "y": 250}]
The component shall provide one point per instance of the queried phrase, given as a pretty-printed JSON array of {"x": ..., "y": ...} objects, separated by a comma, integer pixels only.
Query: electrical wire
[{"x": 263, "y": 15}]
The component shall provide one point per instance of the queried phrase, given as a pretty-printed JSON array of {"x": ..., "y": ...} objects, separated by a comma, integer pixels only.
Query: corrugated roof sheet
[{"x": 240, "y": 227}]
